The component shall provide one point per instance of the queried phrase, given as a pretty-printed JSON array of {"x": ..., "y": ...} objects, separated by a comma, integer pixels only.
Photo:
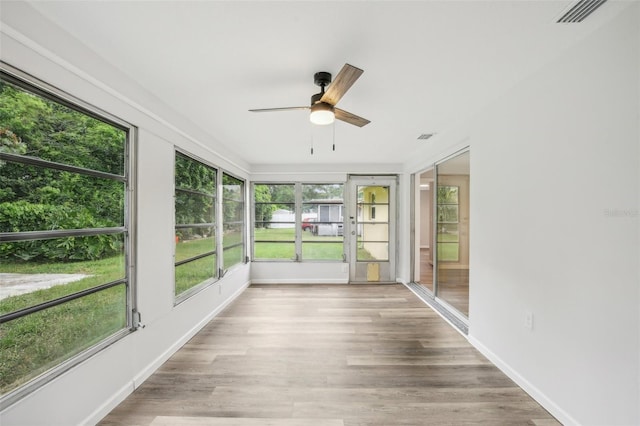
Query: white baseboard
[
  {"x": 143, "y": 375},
  {"x": 147, "y": 372},
  {"x": 111, "y": 403},
  {"x": 301, "y": 281},
  {"x": 542, "y": 399}
]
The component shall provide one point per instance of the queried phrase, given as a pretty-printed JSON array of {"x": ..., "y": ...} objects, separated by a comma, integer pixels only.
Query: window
[
  {"x": 322, "y": 213},
  {"x": 195, "y": 228},
  {"x": 232, "y": 220},
  {"x": 448, "y": 236},
  {"x": 65, "y": 208},
  {"x": 298, "y": 221},
  {"x": 274, "y": 234}
]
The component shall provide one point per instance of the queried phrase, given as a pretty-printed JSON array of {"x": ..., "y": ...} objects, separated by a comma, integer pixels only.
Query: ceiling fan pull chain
[
  {"x": 311, "y": 137},
  {"x": 334, "y": 136}
]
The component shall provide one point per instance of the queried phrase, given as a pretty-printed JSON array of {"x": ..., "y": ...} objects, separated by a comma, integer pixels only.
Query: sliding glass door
[
  {"x": 440, "y": 237},
  {"x": 452, "y": 232}
]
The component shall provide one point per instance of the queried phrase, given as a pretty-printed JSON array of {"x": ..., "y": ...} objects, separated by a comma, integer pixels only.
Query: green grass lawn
[
  {"x": 31, "y": 345},
  {"x": 448, "y": 247},
  {"x": 279, "y": 243}
]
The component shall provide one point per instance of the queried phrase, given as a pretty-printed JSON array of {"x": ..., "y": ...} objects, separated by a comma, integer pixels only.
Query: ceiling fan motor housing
[{"x": 322, "y": 79}]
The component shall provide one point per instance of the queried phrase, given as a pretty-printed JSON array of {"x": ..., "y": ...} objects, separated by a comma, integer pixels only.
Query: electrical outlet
[{"x": 528, "y": 320}]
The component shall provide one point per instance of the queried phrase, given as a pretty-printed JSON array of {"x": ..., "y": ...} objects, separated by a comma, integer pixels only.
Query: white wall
[
  {"x": 561, "y": 149},
  {"x": 554, "y": 228},
  {"x": 89, "y": 391}
]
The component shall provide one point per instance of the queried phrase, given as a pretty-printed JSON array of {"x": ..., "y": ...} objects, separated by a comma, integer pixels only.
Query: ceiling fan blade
[
  {"x": 279, "y": 109},
  {"x": 347, "y": 117},
  {"x": 343, "y": 81}
]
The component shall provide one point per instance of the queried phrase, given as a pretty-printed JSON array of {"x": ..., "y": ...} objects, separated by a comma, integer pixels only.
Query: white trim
[
  {"x": 553, "y": 408},
  {"x": 104, "y": 409},
  {"x": 455, "y": 327},
  {"x": 300, "y": 281},
  {"x": 139, "y": 378},
  {"x": 147, "y": 372}
]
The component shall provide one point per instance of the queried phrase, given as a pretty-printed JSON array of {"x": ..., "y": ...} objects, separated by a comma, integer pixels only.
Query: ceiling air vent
[
  {"x": 424, "y": 136},
  {"x": 580, "y": 10}
]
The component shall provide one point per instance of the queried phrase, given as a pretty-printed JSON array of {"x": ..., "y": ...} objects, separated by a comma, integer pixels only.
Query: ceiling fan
[{"x": 323, "y": 105}]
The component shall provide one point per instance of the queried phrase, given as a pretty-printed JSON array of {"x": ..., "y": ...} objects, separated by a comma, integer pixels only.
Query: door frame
[{"x": 387, "y": 269}]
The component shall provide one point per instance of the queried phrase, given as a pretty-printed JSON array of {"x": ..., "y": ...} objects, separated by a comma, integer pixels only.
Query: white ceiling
[{"x": 427, "y": 64}]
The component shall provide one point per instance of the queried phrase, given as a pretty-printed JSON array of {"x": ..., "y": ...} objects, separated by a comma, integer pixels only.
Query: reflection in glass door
[
  {"x": 372, "y": 228},
  {"x": 452, "y": 232},
  {"x": 423, "y": 249}
]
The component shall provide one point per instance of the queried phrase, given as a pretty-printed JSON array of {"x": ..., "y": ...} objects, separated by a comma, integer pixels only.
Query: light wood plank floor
[{"x": 328, "y": 355}]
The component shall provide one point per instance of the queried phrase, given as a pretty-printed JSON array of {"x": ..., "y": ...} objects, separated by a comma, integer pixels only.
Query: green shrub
[{"x": 22, "y": 216}]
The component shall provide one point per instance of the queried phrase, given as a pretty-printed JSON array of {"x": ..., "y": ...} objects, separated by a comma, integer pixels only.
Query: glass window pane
[
  {"x": 32, "y": 272},
  {"x": 374, "y": 232},
  {"x": 194, "y": 175},
  {"x": 189, "y": 275},
  {"x": 448, "y": 213},
  {"x": 233, "y": 221},
  {"x": 448, "y": 194},
  {"x": 452, "y": 232},
  {"x": 233, "y": 211},
  {"x": 448, "y": 252},
  {"x": 322, "y": 250},
  {"x": 37, "y": 199},
  {"x": 322, "y": 221},
  {"x": 192, "y": 242},
  {"x": 448, "y": 233},
  {"x": 275, "y": 193},
  {"x": 274, "y": 250},
  {"x": 322, "y": 192},
  {"x": 42, "y": 198},
  {"x": 373, "y": 251},
  {"x": 232, "y": 235},
  {"x": 373, "y": 194},
  {"x": 275, "y": 234},
  {"x": 233, "y": 256},
  {"x": 51, "y": 131},
  {"x": 324, "y": 232},
  {"x": 232, "y": 188},
  {"x": 374, "y": 213},
  {"x": 33, "y": 344},
  {"x": 192, "y": 208},
  {"x": 195, "y": 200}
]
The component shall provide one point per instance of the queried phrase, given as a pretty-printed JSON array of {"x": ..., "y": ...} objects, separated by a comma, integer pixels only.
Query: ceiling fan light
[{"x": 322, "y": 113}]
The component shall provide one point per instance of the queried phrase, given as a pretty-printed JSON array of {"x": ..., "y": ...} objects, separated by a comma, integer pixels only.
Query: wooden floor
[
  {"x": 453, "y": 284},
  {"x": 328, "y": 355}
]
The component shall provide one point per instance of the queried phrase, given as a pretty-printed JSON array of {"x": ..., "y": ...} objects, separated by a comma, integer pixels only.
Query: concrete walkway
[{"x": 16, "y": 284}]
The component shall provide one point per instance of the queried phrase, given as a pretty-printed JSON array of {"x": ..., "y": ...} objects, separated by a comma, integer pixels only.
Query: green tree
[
  {"x": 263, "y": 210},
  {"x": 35, "y": 126}
]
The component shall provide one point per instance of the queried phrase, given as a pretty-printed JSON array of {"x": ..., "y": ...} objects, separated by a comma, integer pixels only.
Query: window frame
[
  {"x": 217, "y": 225},
  {"x": 296, "y": 209},
  {"x": 243, "y": 223},
  {"x": 181, "y": 297},
  {"x": 31, "y": 84},
  {"x": 298, "y": 204}
]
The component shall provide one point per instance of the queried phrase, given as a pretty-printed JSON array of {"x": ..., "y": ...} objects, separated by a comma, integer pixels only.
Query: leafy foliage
[
  {"x": 263, "y": 210},
  {"x": 36, "y": 198}
]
